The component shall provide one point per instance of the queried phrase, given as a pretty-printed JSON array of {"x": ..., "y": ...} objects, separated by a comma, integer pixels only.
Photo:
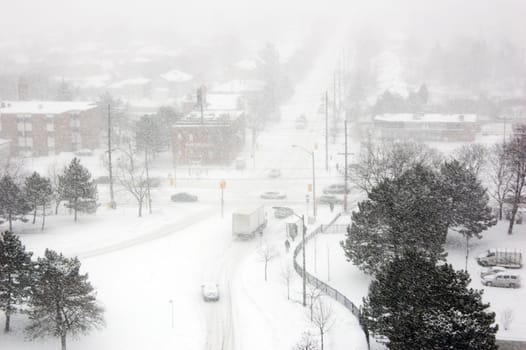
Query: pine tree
[
  {"x": 468, "y": 212},
  {"x": 15, "y": 272},
  {"x": 417, "y": 304},
  {"x": 404, "y": 214},
  {"x": 76, "y": 186},
  {"x": 38, "y": 192},
  {"x": 62, "y": 302},
  {"x": 13, "y": 204}
]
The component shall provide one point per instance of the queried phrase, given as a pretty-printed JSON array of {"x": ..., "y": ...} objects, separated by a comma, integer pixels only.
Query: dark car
[
  {"x": 328, "y": 199},
  {"x": 283, "y": 212},
  {"x": 336, "y": 189},
  {"x": 184, "y": 197}
]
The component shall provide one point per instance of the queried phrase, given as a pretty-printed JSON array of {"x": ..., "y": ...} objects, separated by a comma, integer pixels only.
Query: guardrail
[{"x": 328, "y": 290}]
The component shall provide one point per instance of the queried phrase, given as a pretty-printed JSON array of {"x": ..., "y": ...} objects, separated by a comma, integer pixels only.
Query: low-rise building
[
  {"x": 40, "y": 128},
  {"x": 426, "y": 127}
]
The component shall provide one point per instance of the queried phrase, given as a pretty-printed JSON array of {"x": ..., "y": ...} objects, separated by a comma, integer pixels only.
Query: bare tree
[
  {"x": 313, "y": 294},
  {"x": 287, "y": 274},
  {"x": 500, "y": 175},
  {"x": 388, "y": 160},
  {"x": 473, "y": 156},
  {"x": 307, "y": 342},
  {"x": 506, "y": 318},
  {"x": 52, "y": 174},
  {"x": 516, "y": 153},
  {"x": 323, "y": 319},
  {"x": 266, "y": 253},
  {"x": 132, "y": 176}
]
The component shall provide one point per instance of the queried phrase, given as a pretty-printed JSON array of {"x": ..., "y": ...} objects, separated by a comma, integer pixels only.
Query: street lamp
[
  {"x": 311, "y": 153},
  {"x": 304, "y": 274}
]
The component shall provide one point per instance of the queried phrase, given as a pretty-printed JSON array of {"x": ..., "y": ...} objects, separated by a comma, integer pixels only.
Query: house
[
  {"x": 426, "y": 127},
  {"x": 215, "y": 138},
  {"x": 40, "y": 128}
]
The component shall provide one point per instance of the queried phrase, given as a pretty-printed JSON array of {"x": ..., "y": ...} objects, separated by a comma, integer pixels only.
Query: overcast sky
[{"x": 38, "y": 19}]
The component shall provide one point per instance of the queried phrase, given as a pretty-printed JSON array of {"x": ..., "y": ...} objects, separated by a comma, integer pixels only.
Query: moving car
[
  {"x": 273, "y": 195},
  {"x": 328, "y": 199},
  {"x": 492, "y": 270},
  {"x": 335, "y": 189},
  {"x": 283, "y": 212},
  {"x": 210, "y": 291},
  {"x": 502, "y": 279},
  {"x": 274, "y": 173},
  {"x": 183, "y": 197}
]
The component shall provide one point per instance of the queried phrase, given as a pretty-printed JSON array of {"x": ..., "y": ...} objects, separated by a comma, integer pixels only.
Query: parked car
[
  {"x": 301, "y": 122},
  {"x": 273, "y": 195},
  {"x": 210, "y": 291},
  {"x": 155, "y": 182},
  {"x": 84, "y": 152},
  {"x": 492, "y": 270},
  {"x": 102, "y": 180},
  {"x": 274, "y": 173},
  {"x": 184, "y": 197},
  {"x": 240, "y": 163},
  {"x": 328, "y": 199},
  {"x": 335, "y": 189},
  {"x": 502, "y": 279},
  {"x": 283, "y": 212}
]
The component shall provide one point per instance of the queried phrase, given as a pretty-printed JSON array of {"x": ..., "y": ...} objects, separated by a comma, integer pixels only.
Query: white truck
[
  {"x": 247, "y": 222},
  {"x": 500, "y": 257}
]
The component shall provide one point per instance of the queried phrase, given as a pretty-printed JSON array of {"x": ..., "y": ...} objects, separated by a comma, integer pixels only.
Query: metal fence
[{"x": 325, "y": 288}]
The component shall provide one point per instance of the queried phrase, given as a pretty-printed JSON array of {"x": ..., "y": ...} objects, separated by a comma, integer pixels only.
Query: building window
[
  {"x": 190, "y": 137},
  {"x": 51, "y": 142},
  {"x": 21, "y": 141},
  {"x": 50, "y": 126}
]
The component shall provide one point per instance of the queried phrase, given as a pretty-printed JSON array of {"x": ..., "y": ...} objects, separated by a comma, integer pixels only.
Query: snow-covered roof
[
  {"x": 209, "y": 118},
  {"x": 44, "y": 107},
  {"x": 176, "y": 76},
  {"x": 426, "y": 118},
  {"x": 247, "y": 64},
  {"x": 129, "y": 82},
  {"x": 239, "y": 86}
]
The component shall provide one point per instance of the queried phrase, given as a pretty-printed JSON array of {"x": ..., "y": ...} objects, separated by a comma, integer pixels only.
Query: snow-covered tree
[
  {"x": 417, "y": 304},
  {"x": 323, "y": 319},
  {"x": 15, "y": 272},
  {"x": 132, "y": 176},
  {"x": 63, "y": 301},
  {"x": 400, "y": 215},
  {"x": 38, "y": 192},
  {"x": 473, "y": 157},
  {"x": 266, "y": 253},
  {"x": 76, "y": 186},
  {"x": 468, "y": 212},
  {"x": 13, "y": 204},
  {"x": 307, "y": 342},
  {"x": 516, "y": 153},
  {"x": 500, "y": 175}
]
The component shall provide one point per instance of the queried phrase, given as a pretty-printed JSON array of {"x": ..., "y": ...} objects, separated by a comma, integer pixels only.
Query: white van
[{"x": 502, "y": 279}]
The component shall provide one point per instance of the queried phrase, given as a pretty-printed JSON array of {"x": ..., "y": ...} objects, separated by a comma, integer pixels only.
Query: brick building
[
  {"x": 216, "y": 139},
  {"x": 40, "y": 128}
]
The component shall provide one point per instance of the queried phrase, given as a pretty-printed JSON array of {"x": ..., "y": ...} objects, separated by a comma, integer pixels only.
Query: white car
[
  {"x": 492, "y": 270},
  {"x": 210, "y": 291},
  {"x": 273, "y": 195},
  {"x": 274, "y": 173},
  {"x": 502, "y": 279}
]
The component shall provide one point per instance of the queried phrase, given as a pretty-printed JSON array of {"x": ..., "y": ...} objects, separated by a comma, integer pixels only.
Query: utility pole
[
  {"x": 346, "y": 154},
  {"x": 334, "y": 107},
  {"x": 315, "y": 207},
  {"x": 147, "y": 180},
  {"x": 326, "y": 130},
  {"x": 112, "y": 198},
  {"x": 304, "y": 272},
  {"x": 200, "y": 101}
]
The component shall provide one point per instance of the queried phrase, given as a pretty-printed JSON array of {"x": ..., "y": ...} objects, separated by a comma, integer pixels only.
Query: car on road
[
  {"x": 492, "y": 270},
  {"x": 502, "y": 279},
  {"x": 210, "y": 291},
  {"x": 328, "y": 199},
  {"x": 273, "y": 195},
  {"x": 335, "y": 189},
  {"x": 274, "y": 173},
  {"x": 183, "y": 197},
  {"x": 283, "y": 212},
  {"x": 301, "y": 122}
]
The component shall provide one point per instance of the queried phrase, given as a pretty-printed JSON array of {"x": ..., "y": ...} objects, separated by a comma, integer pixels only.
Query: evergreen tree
[
  {"x": 15, "y": 272},
  {"x": 76, "y": 186},
  {"x": 38, "y": 192},
  {"x": 419, "y": 305},
  {"x": 13, "y": 204},
  {"x": 62, "y": 302},
  {"x": 468, "y": 212},
  {"x": 404, "y": 214}
]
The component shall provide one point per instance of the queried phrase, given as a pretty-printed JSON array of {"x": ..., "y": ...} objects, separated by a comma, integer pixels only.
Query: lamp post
[
  {"x": 304, "y": 274},
  {"x": 311, "y": 153}
]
